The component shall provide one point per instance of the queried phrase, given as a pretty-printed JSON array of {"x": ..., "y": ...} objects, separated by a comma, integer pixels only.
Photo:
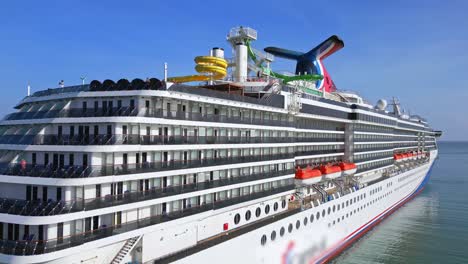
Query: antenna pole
[
  {"x": 29, "y": 89},
  {"x": 165, "y": 71}
]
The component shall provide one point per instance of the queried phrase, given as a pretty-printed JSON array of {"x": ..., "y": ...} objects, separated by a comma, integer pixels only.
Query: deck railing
[
  {"x": 29, "y": 246},
  {"x": 50, "y": 207}
]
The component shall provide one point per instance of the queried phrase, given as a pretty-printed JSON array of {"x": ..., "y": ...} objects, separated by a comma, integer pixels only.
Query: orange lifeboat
[
  {"x": 404, "y": 157},
  {"x": 330, "y": 171},
  {"x": 348, "y": 168},
  {"x": 398, "y": 157},
  {"x": 307, "y": 176}
]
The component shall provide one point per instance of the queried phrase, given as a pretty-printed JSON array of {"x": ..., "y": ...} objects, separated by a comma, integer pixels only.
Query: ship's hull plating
[{"x": 320, "y": 240}]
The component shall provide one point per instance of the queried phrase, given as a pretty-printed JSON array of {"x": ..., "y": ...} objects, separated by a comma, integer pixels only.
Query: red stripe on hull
[{"x": 348, "y": 243}]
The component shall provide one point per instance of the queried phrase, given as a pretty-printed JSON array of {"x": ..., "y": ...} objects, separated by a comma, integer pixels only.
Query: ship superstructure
[{"x": 249, "y": 165}]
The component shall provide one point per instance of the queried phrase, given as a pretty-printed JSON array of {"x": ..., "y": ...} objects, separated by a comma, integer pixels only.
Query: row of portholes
[
  {"x": 374, "y": 191},
  {"x": 328, "y": 211},
  {"x": 258, "y": 211},
  {"x": 359, "y": 209},
  {"x": 404, "y": 184},
  {"x": 306, "y": 220},
  {"x": 405, "y": 177},
  {"x": 282, "y": 230}
]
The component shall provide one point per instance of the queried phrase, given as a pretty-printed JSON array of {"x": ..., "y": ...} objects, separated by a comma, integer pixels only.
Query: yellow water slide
[{"x": 214, "y": 68}]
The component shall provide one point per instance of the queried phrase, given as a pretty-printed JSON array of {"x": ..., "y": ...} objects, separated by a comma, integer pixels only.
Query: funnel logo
[{"x": 288, "y": 254}]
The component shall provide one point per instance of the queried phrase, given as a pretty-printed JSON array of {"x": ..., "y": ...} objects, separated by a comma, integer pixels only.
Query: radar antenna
[{"x": 396, "y": 107}]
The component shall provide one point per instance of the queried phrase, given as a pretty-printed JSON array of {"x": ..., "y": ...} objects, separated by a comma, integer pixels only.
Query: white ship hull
[{"x": 317, "y": 242}]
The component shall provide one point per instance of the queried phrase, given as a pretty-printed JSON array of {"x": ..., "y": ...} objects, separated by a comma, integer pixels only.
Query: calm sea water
[{"x": 431, "y": 228}]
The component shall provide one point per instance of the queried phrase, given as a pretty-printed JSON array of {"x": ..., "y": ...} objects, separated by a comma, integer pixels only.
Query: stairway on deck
[{"x": 125, "y": 250}]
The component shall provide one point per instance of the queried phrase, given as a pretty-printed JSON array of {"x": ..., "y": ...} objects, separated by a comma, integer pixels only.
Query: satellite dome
[{"x": 381, "y": 104}]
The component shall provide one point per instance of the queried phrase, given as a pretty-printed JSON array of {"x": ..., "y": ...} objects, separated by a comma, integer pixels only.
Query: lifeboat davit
[
  {"x": 348, "y": 168},
  {"x": 307, "y": 176},
  {"x": 330, "y": 171}
]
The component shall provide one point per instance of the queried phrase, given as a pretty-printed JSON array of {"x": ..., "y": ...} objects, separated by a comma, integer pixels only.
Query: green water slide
[{"x": 285, "y": 78}]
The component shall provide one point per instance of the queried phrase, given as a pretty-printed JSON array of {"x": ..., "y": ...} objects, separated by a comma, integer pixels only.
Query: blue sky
[{"x": 415, "y": 50}]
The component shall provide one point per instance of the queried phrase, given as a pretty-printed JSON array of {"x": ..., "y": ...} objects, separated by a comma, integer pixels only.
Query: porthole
[
  {"x": 275, "y": 206},
  {"x": 342, "y": 218},
  {"x": 329, "y": 210},
  {"x": 282, "y": 230},
  {"x": 283, "y": 204},
  {"x": 305, "y": 221},
  {"x": 334, "y": 222},
  {"x": 338, "y": 220},
  {"x": 354, "y": 199},
  {"x": 258, "y": 211},
  {"x": 237, "y": 219},
  {"x": 267, "y": 209},
  {"x": 347, "y": 203},
  {"x": 311, "y": 218},
  {"x": 317, "y": 216},
  {"x": 323, "y": 213},
  {"x": 290, "y": 228},
  {"x": 298, "y": 224},
  {"x": 338, "y": 207},
  {"x": 334, "y": 208},
  {"x": 273, "y": 236},
  {"x": 248, "y": 214},
  {"x": 342, "y": 205},
  {"x": 263, "y": 240}
]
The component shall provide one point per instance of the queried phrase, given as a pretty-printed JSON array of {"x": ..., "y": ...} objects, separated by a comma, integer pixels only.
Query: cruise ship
[{"x": 236, "y": 163}]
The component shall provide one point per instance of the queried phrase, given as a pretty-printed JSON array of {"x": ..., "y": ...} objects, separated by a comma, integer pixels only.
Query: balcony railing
[
  {"x": 357, "y": 160},
  {"x": 145, "y": 112},
  {"x": 45, "y": 208},
  {"x": 149, "y": 140},
  {"x": 357, "y": 150},
  {"x": 380, "y": 165},
  {"x": 390, "y": 140},
  {"x": 181, "y": 115},
  {"x": 57, "y": 171},
  {"x": 75, "y": 112},
  {"x": 28, "y": 246},
  {"x": 318, "y": 152}
]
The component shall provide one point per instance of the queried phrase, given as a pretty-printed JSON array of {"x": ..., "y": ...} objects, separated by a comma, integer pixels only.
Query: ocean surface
[{"x": 431, "y": 228}]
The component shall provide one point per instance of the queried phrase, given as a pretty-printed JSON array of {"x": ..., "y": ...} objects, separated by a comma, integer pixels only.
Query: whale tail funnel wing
[{"x": 311, "y": 62}]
